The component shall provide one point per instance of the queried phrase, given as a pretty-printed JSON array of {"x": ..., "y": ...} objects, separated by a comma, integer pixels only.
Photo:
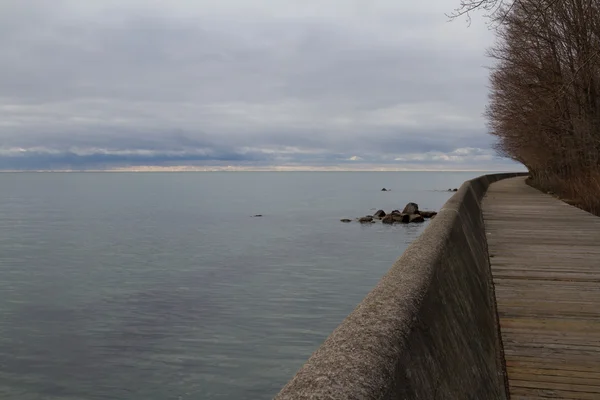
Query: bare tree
[
  {"x": 545, "y": 90},
  {"x": 493, "y": 9}
]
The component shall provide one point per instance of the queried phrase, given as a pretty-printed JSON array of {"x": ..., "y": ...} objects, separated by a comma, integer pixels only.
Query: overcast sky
[{"x": 117, "y": 83}]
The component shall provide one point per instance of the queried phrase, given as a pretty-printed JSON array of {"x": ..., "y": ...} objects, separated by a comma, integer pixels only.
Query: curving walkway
[{"x": 545, "y": 259}]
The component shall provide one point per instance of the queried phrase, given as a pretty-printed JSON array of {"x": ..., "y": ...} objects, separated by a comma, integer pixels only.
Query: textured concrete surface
[
  {"x": 545, "y": 259},
  {"x": 428, "y": 330}
]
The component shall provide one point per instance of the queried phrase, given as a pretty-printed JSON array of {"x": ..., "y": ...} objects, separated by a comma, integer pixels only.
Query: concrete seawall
[{"x": 429, "y": 329}]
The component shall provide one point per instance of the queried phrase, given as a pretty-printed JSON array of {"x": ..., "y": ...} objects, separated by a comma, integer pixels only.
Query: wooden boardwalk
[{"x": 545, "y": 258}]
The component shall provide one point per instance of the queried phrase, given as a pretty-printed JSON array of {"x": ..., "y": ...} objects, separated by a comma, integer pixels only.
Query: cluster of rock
[
  {"x": 453, "y": 190},
  {"x": 410, "y": 213}
]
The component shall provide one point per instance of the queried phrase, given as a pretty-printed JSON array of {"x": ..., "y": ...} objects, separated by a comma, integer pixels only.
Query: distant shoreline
[{"x": 224, "y": 169}]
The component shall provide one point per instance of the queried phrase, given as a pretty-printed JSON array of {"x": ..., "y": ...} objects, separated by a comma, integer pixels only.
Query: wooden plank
[
  {"x": 591, "y": 378},
  {"x": 565, "y": 387},
  {"x": 545, "y": 260},
  {"x": 540, "y": 363},
  {"x": 544, "y": 393}
]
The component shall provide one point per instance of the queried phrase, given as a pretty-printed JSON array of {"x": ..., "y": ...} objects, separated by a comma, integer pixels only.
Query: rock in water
[
  {"x": 415, "y": 218},
  {"x": 366, "y": 220},
  {"x": 396, "y": 218},
  {"x": 404, "y": 218},
  {"x": 411, "y": 208},
  {"x": 257, "y": 215},
  {"x": 384, "y": 190},
  {"x": 388, "y": 219},
  {"x": 427, "y": 214},
  {"x": 379, "y": 214},
  {"x": 346, "y": 220}
]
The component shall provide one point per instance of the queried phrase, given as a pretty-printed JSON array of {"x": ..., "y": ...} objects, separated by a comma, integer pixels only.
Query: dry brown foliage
[
  {"x": 580, "y": 191},
  {"x": 545, "y": 98}
]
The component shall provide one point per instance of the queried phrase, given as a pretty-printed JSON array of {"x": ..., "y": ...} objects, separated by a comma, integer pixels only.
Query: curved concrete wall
[{"x": 428, "y": 330}]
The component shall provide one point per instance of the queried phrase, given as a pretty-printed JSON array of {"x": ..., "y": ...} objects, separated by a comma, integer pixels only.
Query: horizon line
[{"x": 225, "y": 169}]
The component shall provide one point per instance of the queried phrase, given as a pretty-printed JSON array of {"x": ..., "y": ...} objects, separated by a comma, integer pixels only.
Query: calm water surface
[{"x": 161, "y": 286}]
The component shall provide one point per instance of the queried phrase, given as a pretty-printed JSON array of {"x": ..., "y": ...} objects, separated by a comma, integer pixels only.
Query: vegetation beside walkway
[{"x": 545, "y": 91}]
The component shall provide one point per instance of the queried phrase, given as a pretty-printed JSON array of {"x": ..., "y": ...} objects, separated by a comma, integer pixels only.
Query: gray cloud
[{"x": 132, "y": 82}]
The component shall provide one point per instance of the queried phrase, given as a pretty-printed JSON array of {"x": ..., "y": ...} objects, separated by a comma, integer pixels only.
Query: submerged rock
[
  {"x": 346, "y": 220},
  {"x": 366, "y": 220},
  {"x": 257, "y": 215},
  {"x": 394, "y": 218},
  {"x": 415, "y": 218},
  {"x": 388, "y": 219},
  {"x": 427, "y": 214},
  {"x": 403, "y": 218}
]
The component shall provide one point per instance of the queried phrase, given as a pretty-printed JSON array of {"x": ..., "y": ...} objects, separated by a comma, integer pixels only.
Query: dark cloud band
[{"x": 116, "y": 83}]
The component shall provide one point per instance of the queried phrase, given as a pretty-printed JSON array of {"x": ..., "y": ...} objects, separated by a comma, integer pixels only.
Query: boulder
[
  {"x": 404, "y": 218},
  {"x": 427, "y": 214},
  {"x": 395, "y": 212},
  {"x": 379, "y": 214},
  {"x": 346, "y": 220},
  {"x": 384, "y": 190},
  {"x": 396, "y": 218},
  {"x": 411, "y": 208},
  {"x": 415, "y": 218},
  {"x": 455, "y": 190},
  {"x": 388, "y": 219},
  {"x": 366, "y": 220}
]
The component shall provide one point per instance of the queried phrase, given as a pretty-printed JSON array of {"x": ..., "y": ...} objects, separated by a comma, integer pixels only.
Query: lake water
[{"x": 161, "y": 285}]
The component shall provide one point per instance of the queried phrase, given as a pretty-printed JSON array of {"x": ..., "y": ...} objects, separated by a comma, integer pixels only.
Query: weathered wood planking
[{"x": 545, "y": 259}]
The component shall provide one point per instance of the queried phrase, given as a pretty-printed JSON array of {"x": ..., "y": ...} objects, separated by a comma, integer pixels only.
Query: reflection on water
[{"x": 160, "y": 286}]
